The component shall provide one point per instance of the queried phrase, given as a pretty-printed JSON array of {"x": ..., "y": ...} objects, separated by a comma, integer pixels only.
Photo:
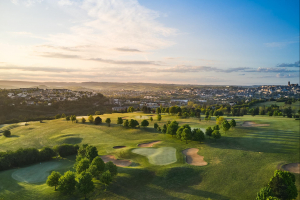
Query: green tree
[
  {"x": 82, "y": 165},
  {"x": 158, "y": 117},
  {"x": 73, "y": 118},
  {"x": 172, "y": 128},
  {"x": 93, "y": 170},
  {"x": 126, "y": 123},
  {"x": 208, "y": 131},
  {"x": 151, "y": 119},
  {"x": 97, "y": 113},
  {"x": 216, "y": 134},
  {"x": 99, "y": 163},
  {"x": 52, "y": 179},
  {"x": 97, "y": 121},
  {"x": 186, "y": 134},
  {"x": 68, "y": 118},
  {"x": 108, "y": 121},
  {"x": 112, "y": 168},
  {"x": 264, "y": 193},
  {"x": 63, "y": 115},
  {"x": 158, "y": 110},
  {"x": 57, "y": 116},
  {"x": 133, "y": 123},
  {"x": 164, "y": 129},
  {"x": 232, "y": 123},
  {"x": 225, "y": 126},
  {"x": 130, "y": 109},
  {"x": 83, "y": 120},
  {"x": 120, "y": 120},
  {"x": 216, "y": 127},
  {"x": 106, "y": 178},
  {"x": 67, "y": 182},
  {"x": 180, "y": 129},
  {"x": 7, "y": 133},
  {"x": 91, "y": 153},
  {"x": 199, "y": 135},
  {"x": 145, "y": 123},
  {"x": 155, "y": 126},
  {"x": 91, "y": 119},
  {"x": 85, "y": 184}
]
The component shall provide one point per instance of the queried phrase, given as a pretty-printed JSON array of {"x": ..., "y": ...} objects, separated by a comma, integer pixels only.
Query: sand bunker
[
  {"x": 120, "y": 163},
  {"x": 119, "y": 147},
  {"x": 292, "y": 167},
  {"x": 35, "y": 173},
  {"x": 158, "y": 156},
  {"x": 193, "y": 158},
  {"x": 149, "y": 144},
  {"x": 253, "y": 124}
]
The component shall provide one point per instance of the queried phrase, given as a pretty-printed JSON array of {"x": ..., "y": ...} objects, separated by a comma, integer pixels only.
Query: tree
[
  {"x": 155, "y": 126},
  {"x": 68, "y": 118},
  {"x": 208, "y": 131},
  {"x": 57, "y": 116},
  {"x": 93, "y": 170},
  {"x": 106, "y": 178},
  {"x": 7, "y": 133},
  {"x": 97, "y": 121},
  {"x": 199, "y": 135},
  {"x": 172, "y": 128},
  {"x": 63, "y": 115},
  {"x": 145, "y": 123},
  {"x": 158, "y": 110},
  {"x": 91, "y": 153},
  {"x": 120, "y": 120},
  {"x": 164, "y": 129},
  {"x": 97, "y": 113},
  {"x": 186, "y": 134},
  {"x": 99, "y": 163},
  {"x": 232, "y": 123},
  {"x": 180, "y": 130},
  {"x": 46, "y": 154},
  {"x": 83, "y": 120},
  {"x": 91, "y": 119},
  {"x": 225, "y": 126},
  {"x": 216, "y": 127},
  {"x": 52, "y": 179},
  {"x": 158, "y": 117},
  {"x": 112, "y": 168},
  {"x": 151, "y": 119},
  {"x": 219, "y": 120},
  {"x": 73, "y": 118},
  {"x": 108, "y": 121},
  {"x": 85, "y": 184},
  {"x": 126, "y": 123},
  {"x": 82, "y": 165},
  {"x": 133, "y": 123},
  {"x": 130, "y": 109},
  {"x": 216, "y": 134},
  {"x": 67, "y": 182}
]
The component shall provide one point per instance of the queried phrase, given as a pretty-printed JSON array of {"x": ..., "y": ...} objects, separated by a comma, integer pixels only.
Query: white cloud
[
  {"x": 65, "y": 2},
  {"x": 26, "y": 2}
]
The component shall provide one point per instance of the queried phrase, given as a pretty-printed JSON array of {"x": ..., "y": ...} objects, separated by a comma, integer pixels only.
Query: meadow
[{"x": 239, "y": 164}]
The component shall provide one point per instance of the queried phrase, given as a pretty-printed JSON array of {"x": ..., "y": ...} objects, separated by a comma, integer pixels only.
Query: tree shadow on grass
[
  {"x": 8, "y": 183},
  {"x": 72, "y": 140}
]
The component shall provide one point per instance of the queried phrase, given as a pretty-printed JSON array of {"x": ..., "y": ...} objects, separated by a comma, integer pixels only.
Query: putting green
[
  {"x": 35, "y": 173},
  {"x": 158, "y": 156}
]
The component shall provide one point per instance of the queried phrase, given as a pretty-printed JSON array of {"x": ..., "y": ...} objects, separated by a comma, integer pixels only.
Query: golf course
[{"x": 153, "y": 165}]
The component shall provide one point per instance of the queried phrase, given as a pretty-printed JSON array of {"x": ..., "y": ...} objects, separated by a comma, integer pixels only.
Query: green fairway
[
  {"x": 239, "y": 164},
  {"x": 158, "y": 156}
]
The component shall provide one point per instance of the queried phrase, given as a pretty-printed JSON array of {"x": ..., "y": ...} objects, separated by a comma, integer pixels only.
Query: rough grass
[
  {"x": 158, "y": 156},
  {"x": 239, "y": 164}
]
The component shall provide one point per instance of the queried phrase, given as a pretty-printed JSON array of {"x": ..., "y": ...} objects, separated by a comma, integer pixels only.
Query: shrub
[{"x": 7, "y": 133}]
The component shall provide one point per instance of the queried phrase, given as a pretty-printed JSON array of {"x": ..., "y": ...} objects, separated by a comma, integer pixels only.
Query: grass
[
  {"x": 282, "y": 105},
  {"x": 239, "y": 164},
  {"x": 158, "y": 156}
]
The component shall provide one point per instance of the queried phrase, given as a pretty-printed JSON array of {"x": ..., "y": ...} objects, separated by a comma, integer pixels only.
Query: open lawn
[{"x": 239, "y": 164}]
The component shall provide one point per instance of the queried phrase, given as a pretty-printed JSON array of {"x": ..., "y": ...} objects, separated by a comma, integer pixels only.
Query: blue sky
[{"x": 172, "y": 41}]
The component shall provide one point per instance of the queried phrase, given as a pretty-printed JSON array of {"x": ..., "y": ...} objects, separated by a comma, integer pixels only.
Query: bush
[
  {"x": 7, "y": 133},
  {"x": 46, "y": 153},
  {"x": 98, "y": 120},
  {"x": 66, "y": 149}
]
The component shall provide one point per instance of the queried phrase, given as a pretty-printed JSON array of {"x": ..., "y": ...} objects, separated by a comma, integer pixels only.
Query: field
[{"x": 239, "y": 163}]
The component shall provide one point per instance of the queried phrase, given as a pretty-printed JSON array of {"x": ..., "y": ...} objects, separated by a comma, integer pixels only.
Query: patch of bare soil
[
  {"x": 149, "y": 144},
  {"x": 120, "y": 163},
  {"x": 292, "y": 167},
  {"x": 253, "y": 124},
  {"x": 119, "y": 147},
  {"x": 193, "y": 158}
]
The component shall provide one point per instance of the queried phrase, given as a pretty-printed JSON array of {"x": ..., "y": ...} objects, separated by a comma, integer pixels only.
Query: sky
[{"x": 205, "y": 42}]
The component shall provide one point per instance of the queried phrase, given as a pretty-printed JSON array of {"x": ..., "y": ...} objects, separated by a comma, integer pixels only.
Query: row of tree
[
  {"x": 88, "y": 166},
  {"x": 27, "y": 156}
]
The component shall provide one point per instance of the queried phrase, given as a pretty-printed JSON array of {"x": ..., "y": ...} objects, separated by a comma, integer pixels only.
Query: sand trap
[
  {"x": 158, "y": 156},
  {"x": 120, "y": 163},
  {"x": 149, "y": 144},
  {"x": 35, "y": 173},
  {"x": 253, "y": 124},
  {"x": 193, "y": 158},
  {"x": 292, "y": 167},
  {"x": 119, "y": 147}
]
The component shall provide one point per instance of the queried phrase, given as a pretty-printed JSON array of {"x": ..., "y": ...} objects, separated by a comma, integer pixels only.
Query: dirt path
[
  {"x": 193, "y": 158},
  {"x": 292, "y": 167},
  {"x": 149, "y": 144},
  {"x": 120, "y": 163},
  {"x": 253, "y": 124}
]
